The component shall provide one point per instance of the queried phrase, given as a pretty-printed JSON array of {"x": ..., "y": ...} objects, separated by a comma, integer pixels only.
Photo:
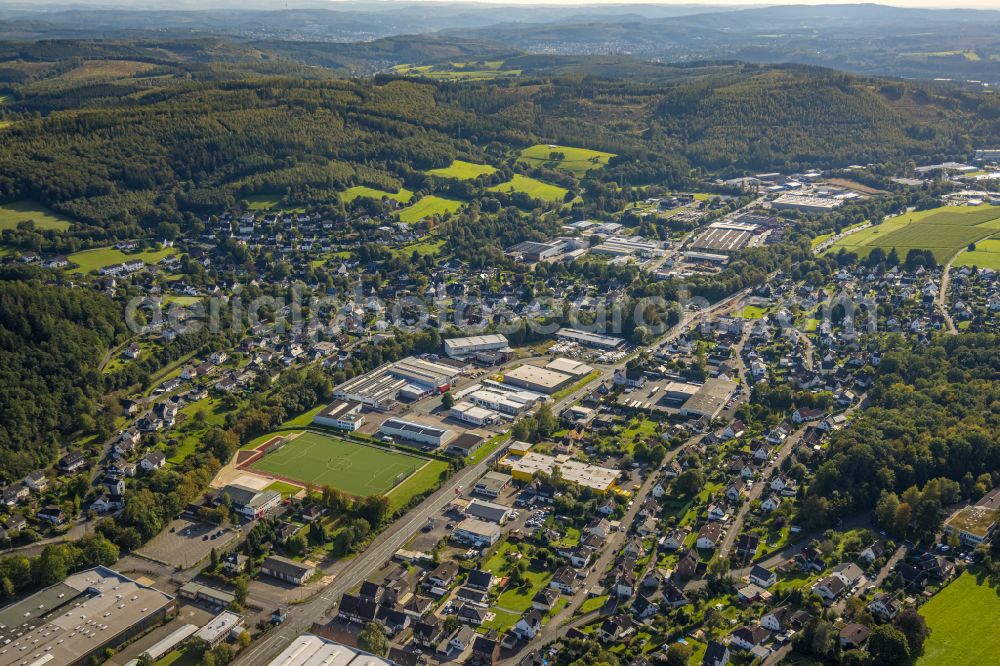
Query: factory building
[
  {"x": 534, "y": 378},
  {"x": 420, "y": 433},
  {"x": 77, "y": 620},
  {"x": 589, "y": 339},
  {"x": 313, "y": 650},
  {"x": 462, "y": 347},
  {"x": 341, "y": 414}
]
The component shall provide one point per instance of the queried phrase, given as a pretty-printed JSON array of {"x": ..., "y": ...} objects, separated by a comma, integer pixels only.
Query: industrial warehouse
[
  {"x": 524, "y": 467},
  {"x": 409, "y": 379},
  {"x": 79, "y": 618},
  {"x": 477, "y": 344},
  {"x": 311, "y": 649},
  {"x": 539, "y": 380},
  {"x": 589, "y": 339},
  {"x": 724, "y": 237},
  {"x": 682, "y": 398}
]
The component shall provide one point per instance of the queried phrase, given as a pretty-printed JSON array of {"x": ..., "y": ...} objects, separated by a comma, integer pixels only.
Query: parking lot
[{"x": 185, "y": 543}]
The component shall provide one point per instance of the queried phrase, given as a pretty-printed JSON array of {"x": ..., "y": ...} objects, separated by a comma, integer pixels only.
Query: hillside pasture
[
  {"x": 14, "y": 213},
  {"x": 92, "y": 260},
  {"x": 534, "y": 188},
  {"x": 106, "y": 69},
  {"x": 577, "y": 160},
  {"x": 352, "y": 193},
  {"x": 986, "y": 255},
  {"x": 429, "y": 205},
  {"x": 944, "y": 231},
  {"x": 462, "y": 170}
]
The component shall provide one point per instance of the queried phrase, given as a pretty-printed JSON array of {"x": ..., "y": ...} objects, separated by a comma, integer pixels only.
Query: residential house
[
  {"x": 153, "y": 461},
  {"x": 885, "y": 606},
  {"x": 747, "y": 638},
  {"x": 529, "y": 624},
  {"x": 72, "y": 462},
  {"x": 762, "y": 576},
  {"x": 709, "y": 536},
  {"x": 716, "y": 654},
  {"x": 853, "y": 636}
]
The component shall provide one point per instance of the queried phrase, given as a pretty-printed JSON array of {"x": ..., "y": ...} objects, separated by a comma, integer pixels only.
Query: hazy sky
[{"x": 931, "y": 4}]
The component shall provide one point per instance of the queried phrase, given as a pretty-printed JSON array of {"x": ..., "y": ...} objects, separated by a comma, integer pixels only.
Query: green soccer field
[
  {"x": 356, "y": 469},
  {"x": 964, "y": 619}
]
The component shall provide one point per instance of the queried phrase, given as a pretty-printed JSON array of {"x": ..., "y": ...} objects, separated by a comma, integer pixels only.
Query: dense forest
[
  {"x": 53, "y": 341},
  {"x": 167, "y": 141},
  {"x": 927, "y": 439}
]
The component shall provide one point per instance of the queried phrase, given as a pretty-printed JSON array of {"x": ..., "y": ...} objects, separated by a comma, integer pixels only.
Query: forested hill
[
  {"x": 932, "y": 424},
  {"x": 52, "y": 342},
  {"x": 162, "y": 144}
]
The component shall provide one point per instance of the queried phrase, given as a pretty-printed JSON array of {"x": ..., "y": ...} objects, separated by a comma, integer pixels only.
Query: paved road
[
  {"x": 391, "y": 539},
  {"x": 318, "y": 607},
  {"x": 758, "y": 488},
  {"x": 822, "y": 247},
  {"x": 941, "y": 300}
]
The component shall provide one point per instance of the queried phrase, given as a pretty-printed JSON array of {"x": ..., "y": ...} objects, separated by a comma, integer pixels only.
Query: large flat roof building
[
  {"x": 342, "y": 414},
  {"x": 461, "y": 347},
  {"x": 415, "y": 431},
  {"x": 524, "y": 467},
  {"x": 710, "y": 398},
  {"x": 89, "y": 612},
  {"x": 589, "y": 339},
  {"x": 311, "y": 650},
  {"x": 805, "y": 203},
  {"x": 537, "y": 379}
]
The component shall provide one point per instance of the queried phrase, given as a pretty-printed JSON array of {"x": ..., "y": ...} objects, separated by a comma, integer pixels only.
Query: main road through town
[{"x": 383, "y": 547}]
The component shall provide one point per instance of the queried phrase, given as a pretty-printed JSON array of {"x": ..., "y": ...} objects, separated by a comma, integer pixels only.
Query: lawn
[
  {"x": 353, "y": 193},
  {"x": 535, "y": 189},
  {"x": 986, "y": 255},
  {"x": 422, "y": 480},
  {"x": 462, "y": 170},
  {"x": 751, "y": 312},
  {"x": 963, "y": 610},
  {"x": 519, "y": 599},
  {"x": 14, "y": 213},
  {"x": 577, "y": 160},
  {"x": 427, "y": 248},
  {"x": 92, "y": 260},
  {"x": 593, "y": 603},
  {"x": 944, "y": 231},
  {"x": 180, "y": 657},
  {"x": 286, "y": 489},
  {"x": 356, "y": 469}
]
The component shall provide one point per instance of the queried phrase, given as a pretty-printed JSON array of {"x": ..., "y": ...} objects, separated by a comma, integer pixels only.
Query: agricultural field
[
  {"x": 966, "y": 608},
  {"x": 944, "y": 231},
  {"x": 356, "y": 469},
  {"x": 14, "y": 213},
  {"x": 429, "y": 205},
  {"x": 532, "y": 187},
  {"x": 482, "y": 70},
  {"x": 577, "y": 160},
  {"x": 462, "y": 170},
  {"x": 986, "y": 255},
  {"x": 427, "y": 248},
  {"x": 92, "y": 260},
  {"x": 107, "y": 69},
  {"x": 353, "y": 193},
  {"x": 262, "y": 202}
]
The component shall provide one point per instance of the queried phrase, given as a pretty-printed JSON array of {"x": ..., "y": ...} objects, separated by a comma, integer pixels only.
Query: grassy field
[
  {"x": 354, "y": 468},
  {"x": 532, "y": 187},
  {"x": 286, "y": 489},
  {"x": 106, "y": 69},
  {"x": 459, "y": 71},
  {"x": 19, "y": 211},
  {"x": 986, "y": 255},
  {"x": 462, "y": 170},
  {"x": 944, "y": 231},
  {"x": 429, "y": 205},
  {"x": 270, "y": 202},
  {"x": 420, "y": 481},
  {"x": 751, "y": 312},
  {"x": 92, "y": 260},
  {"x": 963, "y": 610},
  {"x": 352, "y": 193},
  {"x": 577, "y": 160},
  {"x": 426, "y": 248}
]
